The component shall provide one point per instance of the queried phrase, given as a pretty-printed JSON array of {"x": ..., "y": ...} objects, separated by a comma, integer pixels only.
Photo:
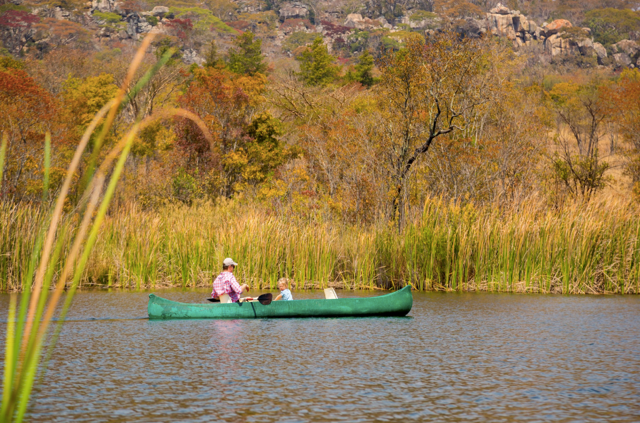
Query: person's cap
[{"x": 229, "y": 262}]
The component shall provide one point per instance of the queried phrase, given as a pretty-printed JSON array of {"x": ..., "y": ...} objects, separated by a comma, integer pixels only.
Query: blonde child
[{"x": 285, "y": 294}]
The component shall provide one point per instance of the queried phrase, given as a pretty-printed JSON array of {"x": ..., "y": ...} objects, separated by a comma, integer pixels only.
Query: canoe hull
[{"x": 397, "y": 303}]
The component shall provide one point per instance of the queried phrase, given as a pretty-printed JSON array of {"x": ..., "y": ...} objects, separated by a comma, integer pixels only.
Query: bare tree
[
  {"x": 578, "y": 163},
  {"x": 427, "y": 90}
]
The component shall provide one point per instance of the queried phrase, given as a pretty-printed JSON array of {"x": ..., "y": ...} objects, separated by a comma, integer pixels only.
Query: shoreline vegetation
[
  {"x": 445, "y": 163},
  {"x": 591, "y": 248}
]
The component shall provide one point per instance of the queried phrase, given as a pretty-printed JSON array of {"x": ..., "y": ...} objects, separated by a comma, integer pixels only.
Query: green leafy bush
[
  {"x": 298, "y": 39},
  {"x": 358, "y": 41},
  {"x": 109, "y": 17},
  {"x": 316, "y": 64},
  {"x": 246, "y": 55},
  {"x": 152, "y": 20},
  {"x": 202, "y": 19},
  {"x": 609, "y": 26},
  {"x": 390, "y": 44},
  {"x": 421, "y": 15},
  {"x": 11, "y": 6},
  {"x": 8, "y": 62}
]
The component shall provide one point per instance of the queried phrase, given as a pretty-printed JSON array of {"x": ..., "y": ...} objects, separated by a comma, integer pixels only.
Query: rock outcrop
[
  {"x": 293, "y": 10},
  {"x": 355, "y": 20},
  {"x": 190, "y": 56},
  {"x": 558, "y": 38},
  {"x": 554, "y": 27},
  {"x": 628, "y": 47},
  {"x": 601, "y": 52},
  {"x": 160, "y": 11},
  {"x": 513, "y": 25},
  {"x": 622, "y": 60},
  {"x": 104, "y": 5},
  {"x": 561, "y": 43},
  {"x": 626, "y": 53}
]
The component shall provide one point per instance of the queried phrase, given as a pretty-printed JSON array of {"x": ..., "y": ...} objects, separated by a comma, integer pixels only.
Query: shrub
[
  {"x": 609, "y": 26},
  {"x": 390, "y": 44},
  {"x": 203, "y": 19},
  {"x": 358, "y": 41},
  {"x": 333, "y": 30},
  {"x": 108, "y": 17},
  {"x": 421, "y": 15},
  {"x": 8, "y": 62},
  {"x": 298, "y": 39},
  {"x": 574, "y": 32},
  {"x": 152, "y": 20}
]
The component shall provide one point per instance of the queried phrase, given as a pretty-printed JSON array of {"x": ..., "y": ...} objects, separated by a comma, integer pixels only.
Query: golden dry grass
[{"x": 582, "y": 249}]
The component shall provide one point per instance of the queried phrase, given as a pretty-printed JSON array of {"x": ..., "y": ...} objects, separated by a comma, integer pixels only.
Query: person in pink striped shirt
[{"x": 226, "y": 282}]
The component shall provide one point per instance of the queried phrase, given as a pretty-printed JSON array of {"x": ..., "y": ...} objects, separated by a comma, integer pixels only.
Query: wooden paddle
[{"x": 264, "y": 299}]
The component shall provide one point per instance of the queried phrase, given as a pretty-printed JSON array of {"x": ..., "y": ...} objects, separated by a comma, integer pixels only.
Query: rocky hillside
[{"x": 346, "y": 27}]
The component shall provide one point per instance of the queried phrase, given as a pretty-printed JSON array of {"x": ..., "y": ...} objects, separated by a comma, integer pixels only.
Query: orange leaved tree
[{"x": 26, "y": 113}]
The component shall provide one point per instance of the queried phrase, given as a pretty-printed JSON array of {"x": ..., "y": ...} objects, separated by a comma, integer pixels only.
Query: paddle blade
[
  {"x": 213, "y": 300},
  {"x": 265, "y": 299}
]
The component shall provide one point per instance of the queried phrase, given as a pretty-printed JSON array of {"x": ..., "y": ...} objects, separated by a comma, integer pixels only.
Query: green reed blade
[
  {"x": 3, "y": 152},
  {"x": 93, "y": 235},
  {"x": 55, "y": 257},
  {"x": 9, "y": 360},
  {"x": 24, "y": 298},
  {"x": 28, "y": 377},
  {"x": 47, "y": 165}
]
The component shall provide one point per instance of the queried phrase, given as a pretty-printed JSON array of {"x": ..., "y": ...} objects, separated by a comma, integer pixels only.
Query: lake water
[{"x": 457, "y": 357}]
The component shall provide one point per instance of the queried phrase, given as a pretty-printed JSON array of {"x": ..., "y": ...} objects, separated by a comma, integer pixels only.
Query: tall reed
[
  {"x": 44, "y": 248},
  {"x": 593, "y": 248}
]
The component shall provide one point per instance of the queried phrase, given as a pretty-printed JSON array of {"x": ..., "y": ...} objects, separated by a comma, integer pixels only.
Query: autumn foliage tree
[
  {"x": 456, "y": 9},
  {"x": 63, "y": 32},
  {"x": 342, "y": 157},
  {"x": 227, "y": 103},
  {"x": 624, "y": 100},
  {"x": 83, "y": 98},
  {"x": 427, "y": 90},
  {"x": 27, "y": 111},
  {"x": 16, "y": 28},
  {"x": 182, "y": 29},
  {"x": 498, "y": 163}
]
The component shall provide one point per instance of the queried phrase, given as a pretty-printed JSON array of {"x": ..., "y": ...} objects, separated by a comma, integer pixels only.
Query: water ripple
[{"x": 471, "y": 357}]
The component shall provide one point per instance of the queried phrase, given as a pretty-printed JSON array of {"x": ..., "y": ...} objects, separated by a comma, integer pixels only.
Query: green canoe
[{"x": 395, "y": 304}]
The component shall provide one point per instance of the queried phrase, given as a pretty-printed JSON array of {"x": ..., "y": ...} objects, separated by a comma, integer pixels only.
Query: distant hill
[{"x": 587, "y": 35}]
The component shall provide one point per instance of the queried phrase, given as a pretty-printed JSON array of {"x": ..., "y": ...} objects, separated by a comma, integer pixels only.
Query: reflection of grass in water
[
  {"x": 59, "y": 246},
  {"x": 593, "y": 248}
]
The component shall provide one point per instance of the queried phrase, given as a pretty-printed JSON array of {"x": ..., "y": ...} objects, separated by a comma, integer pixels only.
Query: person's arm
[
  {"x": 237, "y": 288},
  {"x": 279, "y": 297}
]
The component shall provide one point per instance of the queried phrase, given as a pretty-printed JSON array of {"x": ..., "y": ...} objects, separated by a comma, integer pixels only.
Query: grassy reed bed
[{"x": 590, "y": 249}]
